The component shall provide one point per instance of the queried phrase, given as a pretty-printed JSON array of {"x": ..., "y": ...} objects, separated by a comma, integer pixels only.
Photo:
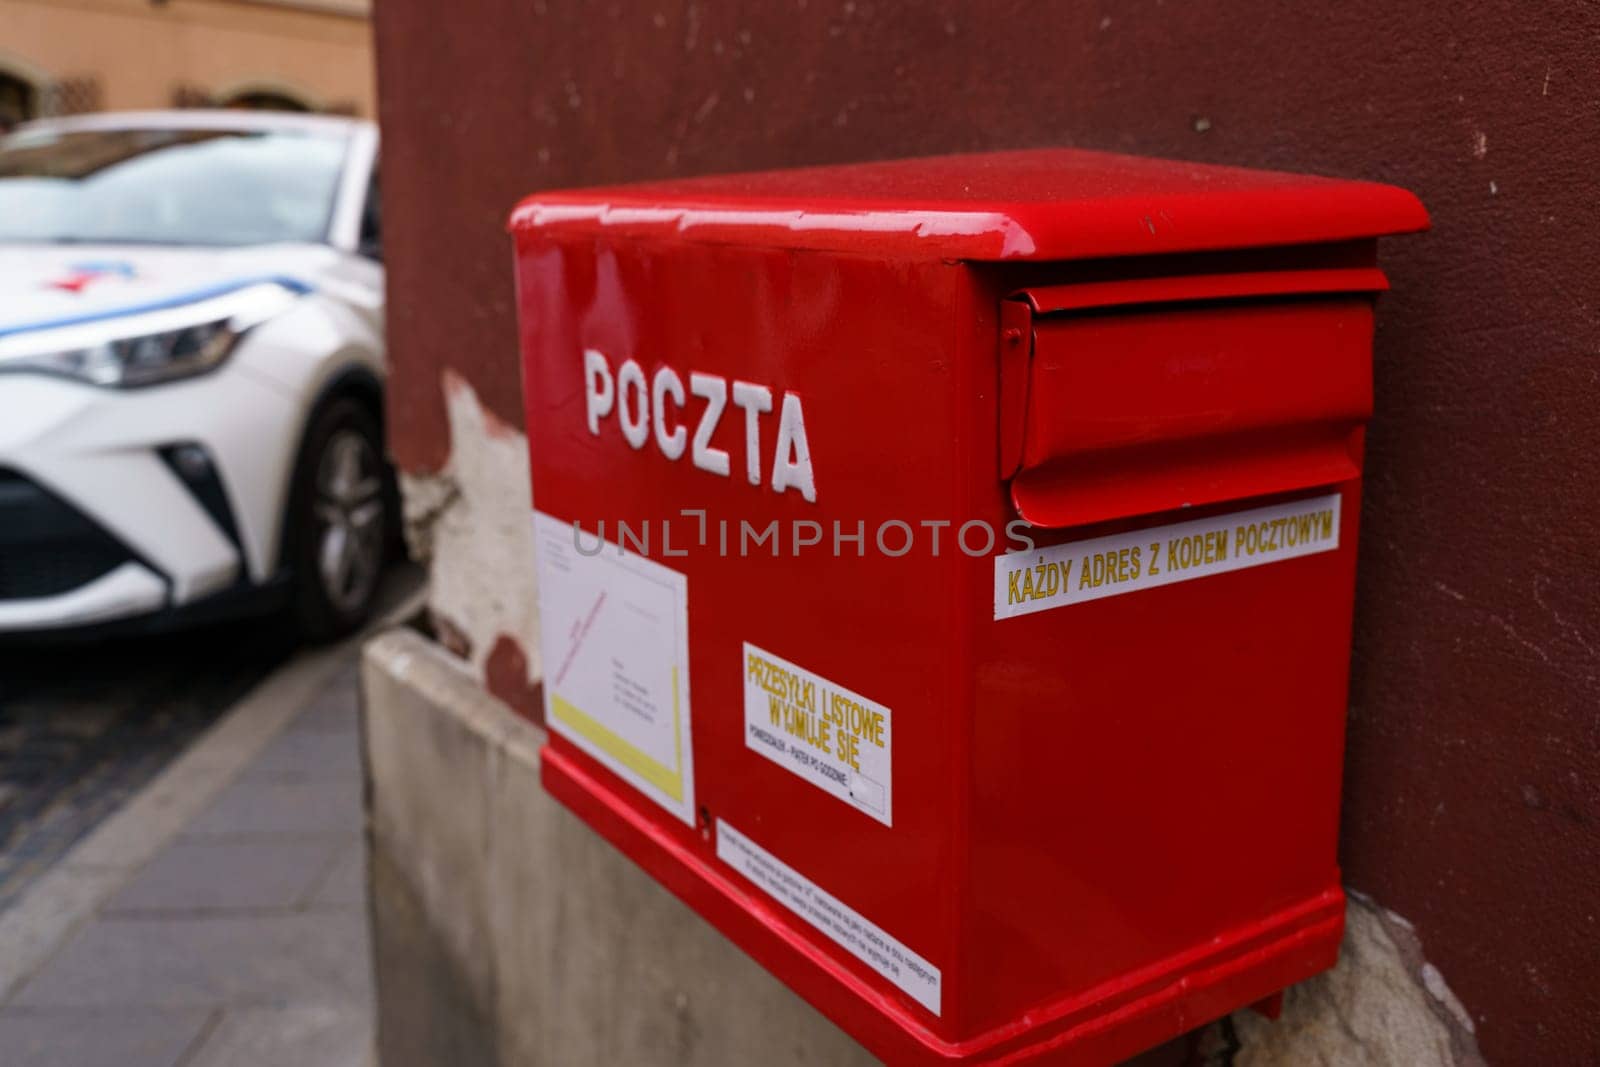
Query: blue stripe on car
[{"x": 194, "y": 296}]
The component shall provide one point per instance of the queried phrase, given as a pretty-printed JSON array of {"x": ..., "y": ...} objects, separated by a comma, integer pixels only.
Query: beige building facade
[{"x": 71, "y": 56}]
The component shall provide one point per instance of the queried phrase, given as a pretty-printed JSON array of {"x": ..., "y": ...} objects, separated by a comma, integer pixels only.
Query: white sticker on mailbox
[
  {"x": 846, "y": 927},
  {"x": 837, "y": 740},
  {"x": 614, "y": 630},
  {"x": 1063, "y": 575}
]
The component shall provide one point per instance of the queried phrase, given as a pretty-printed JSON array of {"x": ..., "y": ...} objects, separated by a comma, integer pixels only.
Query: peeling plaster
[
  {"x": 471, "y": 523},
  {"x": 1382, "y": 1005}
]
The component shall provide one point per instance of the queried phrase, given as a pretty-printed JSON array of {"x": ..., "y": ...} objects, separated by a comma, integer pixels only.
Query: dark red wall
[{"x": 1472, "y": 804}]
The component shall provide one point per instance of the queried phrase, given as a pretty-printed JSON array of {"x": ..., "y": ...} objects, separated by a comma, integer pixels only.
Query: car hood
[{"x": 42, "y": 286}]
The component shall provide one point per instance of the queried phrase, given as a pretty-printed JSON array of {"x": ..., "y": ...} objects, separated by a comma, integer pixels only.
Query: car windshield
[{"x": 166, "y": 186}]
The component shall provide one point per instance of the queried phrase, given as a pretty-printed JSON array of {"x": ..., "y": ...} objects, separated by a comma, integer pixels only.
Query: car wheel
[{"x": 340, "y": 521}]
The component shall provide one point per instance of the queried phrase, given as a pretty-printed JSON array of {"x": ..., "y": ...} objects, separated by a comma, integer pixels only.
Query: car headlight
[{"x": 152, "y": 347}]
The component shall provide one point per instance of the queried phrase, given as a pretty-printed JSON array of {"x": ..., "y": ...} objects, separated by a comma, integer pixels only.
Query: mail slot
[
  {"x": 1145, "y": 397},
  {"x": 945, "y": 575}
]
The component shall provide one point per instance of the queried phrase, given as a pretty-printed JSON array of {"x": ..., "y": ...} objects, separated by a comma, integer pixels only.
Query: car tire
[{"x": 340, "y": 521}]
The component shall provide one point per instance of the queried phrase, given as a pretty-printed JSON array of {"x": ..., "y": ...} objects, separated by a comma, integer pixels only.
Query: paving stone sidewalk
[{"x": 242, "y": 942}]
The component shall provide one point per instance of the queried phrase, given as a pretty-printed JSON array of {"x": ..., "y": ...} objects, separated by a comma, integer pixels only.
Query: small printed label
[
  {"x": 1062, "y": 575},
  {"x": 614, "y": 630},
  {"x": 863, "y": 939},
  {"x": 837, "y": 740}
]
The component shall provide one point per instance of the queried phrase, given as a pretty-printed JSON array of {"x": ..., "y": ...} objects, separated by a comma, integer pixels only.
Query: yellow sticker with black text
[{"x": 835, "y": 739}]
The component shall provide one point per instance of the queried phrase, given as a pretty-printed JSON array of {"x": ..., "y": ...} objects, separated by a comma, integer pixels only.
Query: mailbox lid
[
  {"x": 1141, "y": 395},
  {"x": 1042, "y": 204}
]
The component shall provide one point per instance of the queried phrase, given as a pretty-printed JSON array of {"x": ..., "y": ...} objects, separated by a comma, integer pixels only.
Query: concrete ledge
[{"x": 508, "y": 932}]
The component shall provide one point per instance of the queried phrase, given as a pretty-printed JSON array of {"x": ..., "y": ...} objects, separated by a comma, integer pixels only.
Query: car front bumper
[{"x": 96, "y": 521}]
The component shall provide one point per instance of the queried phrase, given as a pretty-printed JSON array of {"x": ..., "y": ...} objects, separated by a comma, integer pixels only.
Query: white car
[{"x": 191, "y": 370}]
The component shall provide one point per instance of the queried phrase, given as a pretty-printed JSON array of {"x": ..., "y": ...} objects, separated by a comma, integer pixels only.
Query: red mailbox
[{"x": 945, "y": 573}]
